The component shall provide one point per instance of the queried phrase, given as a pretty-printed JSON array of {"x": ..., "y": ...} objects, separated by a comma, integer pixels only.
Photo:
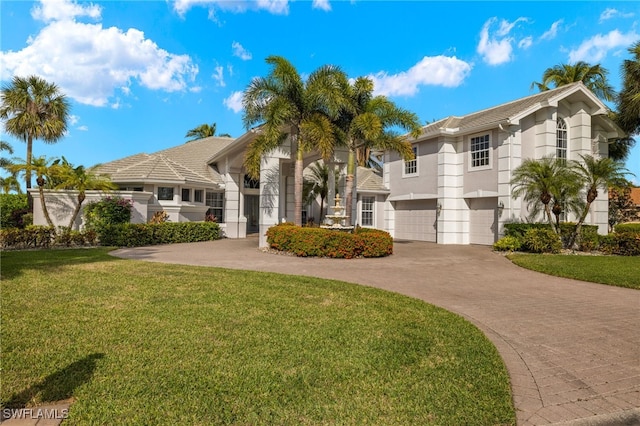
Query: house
[{"x": 456, "y": 191}]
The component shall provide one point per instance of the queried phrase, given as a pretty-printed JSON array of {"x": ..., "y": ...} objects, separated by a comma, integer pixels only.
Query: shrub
[
  {"x": 633, "y": 228},
  {"x": 108, "y": 211},
  {"x": 508, "y": 243},
  {"x": 589, "y": 238},
  {"x": 320, "y": 242},
  {"x": 541, "y": 240},
  {"x": 145, "y": 234},
  {"x": 622, "y": 244},
  {"x": 159, "y": 217},
  {"x": 13, "y": 207},
  {"x": 42, "y": 237}
]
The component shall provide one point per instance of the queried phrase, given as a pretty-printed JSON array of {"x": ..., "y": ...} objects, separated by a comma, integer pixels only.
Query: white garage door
[
  {"x": 415, "y": 220},
  {"x": 483, "y": 220}
]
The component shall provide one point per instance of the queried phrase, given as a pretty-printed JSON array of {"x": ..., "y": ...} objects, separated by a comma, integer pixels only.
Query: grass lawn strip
[
  {"x": 621, "y": 271},
  {"x": 135, "y": 342}
]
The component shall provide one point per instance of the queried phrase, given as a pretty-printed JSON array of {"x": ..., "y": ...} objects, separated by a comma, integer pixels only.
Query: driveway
[{"x": 572, "y": 348}]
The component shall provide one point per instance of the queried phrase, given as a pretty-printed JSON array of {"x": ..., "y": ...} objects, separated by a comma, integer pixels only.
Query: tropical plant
[
  {"x": 33, "y": 109},
  {"x": 287, "y": 106},
  {"x": 80, "y": 179},
  {"x": 628, "y": 116},
  {"x": 367, "y": 123},
  {"x": 316, "y": 183},
  {"x": 10, "y": 183},
  {"x": 41, "y": 166},
  {"x": 621, "y": 206},
  {"x": 595, "y": 174},
  {"x": 202, "y": 131},
  {"x": 5, "y": 162},
  {"x": 538, "y": 181},
  {"x": 594, "y": 78}
]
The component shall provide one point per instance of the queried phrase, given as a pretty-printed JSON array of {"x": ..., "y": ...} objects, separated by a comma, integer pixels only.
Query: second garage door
[
  {"x": 415, "y": 220},
  {"x": 483, "y": 220}
]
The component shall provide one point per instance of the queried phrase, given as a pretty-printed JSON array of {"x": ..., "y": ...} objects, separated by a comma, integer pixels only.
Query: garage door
[
  {"x": 415, "y": 220},
  {"x": 483, "y": 220}
]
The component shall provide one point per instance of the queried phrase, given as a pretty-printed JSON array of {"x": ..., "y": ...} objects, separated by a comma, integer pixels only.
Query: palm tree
[
  {"x": 81, "y": 180},
  {"x": 538, "y": 181},
  {"x": 200, "y": 132},
  {"x": 5, "y": 162},
  {"x": 34, "y": 109},
  {"x": 594, "y": 78},
  {"x": 595, "y": 174},
  {"x": 10, "y": 183},
  {"x": 287, "y": 106},
  {"x": 41, "y": 166},
  {"x": 366, "y": 122},
  {"x": 317, "y": 183},
  {"x": 628, "y": 101}
]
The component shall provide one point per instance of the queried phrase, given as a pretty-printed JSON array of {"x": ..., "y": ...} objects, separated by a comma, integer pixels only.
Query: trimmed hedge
[
  {"x": 319, "y": 242},
  {"x": 622, "y": 244},
  {"x": 633, "y": 228},
  {"x": 12, "y": 209},
  {"x": 42, "y": 237},
  {"x": 589, "y": 238},
  {"x": 147, "y": 234}
]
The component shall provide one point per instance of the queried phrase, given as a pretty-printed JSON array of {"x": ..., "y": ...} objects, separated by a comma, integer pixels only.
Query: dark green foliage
[
  {"x": 588, "y": 233},
  {"x": 146, "y": 234},
  {"x": 320, "y": 242},
  {"x": 508, "y": 243},
  {"x": 12, "y": 209},
  {"x": 541, "y": 240},
  {"x": 42, "y": 237},
  {"x": 622, "y": 244},
  {"x": 628, "y": 227},
  {"x": 108, "y": 211}
]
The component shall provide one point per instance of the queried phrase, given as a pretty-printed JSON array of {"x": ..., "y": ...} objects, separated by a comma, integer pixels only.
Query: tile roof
[
  {"x": 184, "y": 163},
  {"x": 369, "y": 180},
  {"x": 498, "y": 113},
  {"x": 635, "y": 196}
]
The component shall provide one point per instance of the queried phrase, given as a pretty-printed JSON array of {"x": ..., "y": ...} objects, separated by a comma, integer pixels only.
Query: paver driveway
[{"x": 572, "y": 348}]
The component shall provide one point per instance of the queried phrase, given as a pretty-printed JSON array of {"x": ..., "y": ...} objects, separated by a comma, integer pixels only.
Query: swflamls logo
[{"x": 35, "y": 413}]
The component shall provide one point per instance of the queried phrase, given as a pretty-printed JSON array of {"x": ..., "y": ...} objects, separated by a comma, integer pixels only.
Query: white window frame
[
  {"x": 562, "y": 138},
  {"x": 195, "y": 195},
  {"x": 365, "y": 201},
  {"x": 411, "y": 164},
  {"x": 475, "y": 139},
  {"x": 216, "y": 205}
]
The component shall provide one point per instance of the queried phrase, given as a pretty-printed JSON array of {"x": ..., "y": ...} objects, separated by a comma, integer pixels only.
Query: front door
[{"x": 251, "y": 212}]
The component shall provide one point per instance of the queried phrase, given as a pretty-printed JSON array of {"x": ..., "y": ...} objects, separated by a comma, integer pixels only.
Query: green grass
[
  {"x": 147, "y": 343},
  {"x": 621, "y": 271}
]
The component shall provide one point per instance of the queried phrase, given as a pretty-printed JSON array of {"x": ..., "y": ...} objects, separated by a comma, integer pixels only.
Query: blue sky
[{"x": 140, "y": 74}]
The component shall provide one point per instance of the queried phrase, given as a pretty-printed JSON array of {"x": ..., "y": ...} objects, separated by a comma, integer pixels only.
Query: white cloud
[
  {"x": 276, "y": 7},
  {"x": 90, "y": 62},
  {"x": 431, "y": 70},
  {"x": 73, "y": 119},
  {"x": 525, "y": 43},
  {"x": 240, "y": 51},
  {"x": 593, "y": 50},
  {"x": 610, "y": 13},
  {"x": 321, "y": 4},
  {"x": 230, "y": 70},
  {"x": 497, "y": 49},
  {"x": 552, "y": 32},
  {"x": 60, "y": 10},
  {"x": 218, "y": 76},
  {"x": 234, "y": 102},
  {"x": 83, "y": 128}
]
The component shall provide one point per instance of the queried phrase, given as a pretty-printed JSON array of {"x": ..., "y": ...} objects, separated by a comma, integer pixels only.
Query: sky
[{"x": 140, "y": 74}]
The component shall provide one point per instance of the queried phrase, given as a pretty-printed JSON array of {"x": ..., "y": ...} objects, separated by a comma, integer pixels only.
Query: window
[
  {"x": 165, "y": 193},
  {"x": 215, "y": 201},
  {"x": 251, "y": 183},
  {"x": 367, "y": 211},
  {"x": 411, "y": 166},
  {"x": 198, "y": 195},
  {"x": 185, "y": 194},
  {"x": 480, "y": 151},
  {"x": 561, "y": 141}
]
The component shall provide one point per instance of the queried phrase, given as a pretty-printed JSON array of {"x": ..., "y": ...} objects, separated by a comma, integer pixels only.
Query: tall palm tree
[
  {"x": 366, "y": 124},
  {"x": 5, "y": 162},
  {"x": 10, "y": 183},
  {"x": 287, "y": 106},
  {"x": 317, "y": 183},
  {"x": 628, "y": 101},
  {"x": 538, "y": 181},
  {"x": 41, "y": 166},
  {"x": 34, "y": 109},
  {"x": 594, "y": 78},
  {"x": 201, "y": 132},
  {"x": 81, "y": 180},
  {"x": 595, "y": 174}
]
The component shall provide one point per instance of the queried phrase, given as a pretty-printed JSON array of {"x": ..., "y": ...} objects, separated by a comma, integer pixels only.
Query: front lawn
[
  {"x": 147, "y": 343},
  {"x": 622, "y": 271}
]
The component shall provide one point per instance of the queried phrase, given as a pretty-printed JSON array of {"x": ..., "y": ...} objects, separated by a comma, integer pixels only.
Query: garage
[
  {"x": 415, "y": 220},
  {"x": 483, "y": 220}
]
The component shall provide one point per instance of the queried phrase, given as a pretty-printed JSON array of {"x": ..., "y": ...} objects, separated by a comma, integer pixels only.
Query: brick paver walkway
[{"x": 572, "y": 348}]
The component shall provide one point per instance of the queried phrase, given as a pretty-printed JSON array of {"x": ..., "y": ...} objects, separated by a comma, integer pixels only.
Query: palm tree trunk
[
  {"x": 550, "y": 219},
  {"x": 297, "y": 188},
  {"x": 349, "y": 184},
  {"x": 321, "y": 209},
  {"x": 44, "y": 207},
  {"x": 576, "y": 232},
  {"x": 27, "y": 173},
  {"x": 76, "y": 211}
]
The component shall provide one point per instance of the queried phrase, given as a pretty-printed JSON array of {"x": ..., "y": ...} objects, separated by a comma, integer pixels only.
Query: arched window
[{"x": 561, "y": 140}]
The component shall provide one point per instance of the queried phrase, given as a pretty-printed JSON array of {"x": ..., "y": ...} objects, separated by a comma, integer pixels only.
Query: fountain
[{"x": 338, "y": 218}]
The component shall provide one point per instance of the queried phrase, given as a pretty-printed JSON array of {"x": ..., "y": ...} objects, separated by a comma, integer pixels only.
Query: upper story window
[
  {"x": 411, "y": 166},
  {"x": 165, "y": 193},
  {"x": 250, "y": 183},
  {"x": 561, "y": 140},
  {"x": 480, "y": 151}
]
